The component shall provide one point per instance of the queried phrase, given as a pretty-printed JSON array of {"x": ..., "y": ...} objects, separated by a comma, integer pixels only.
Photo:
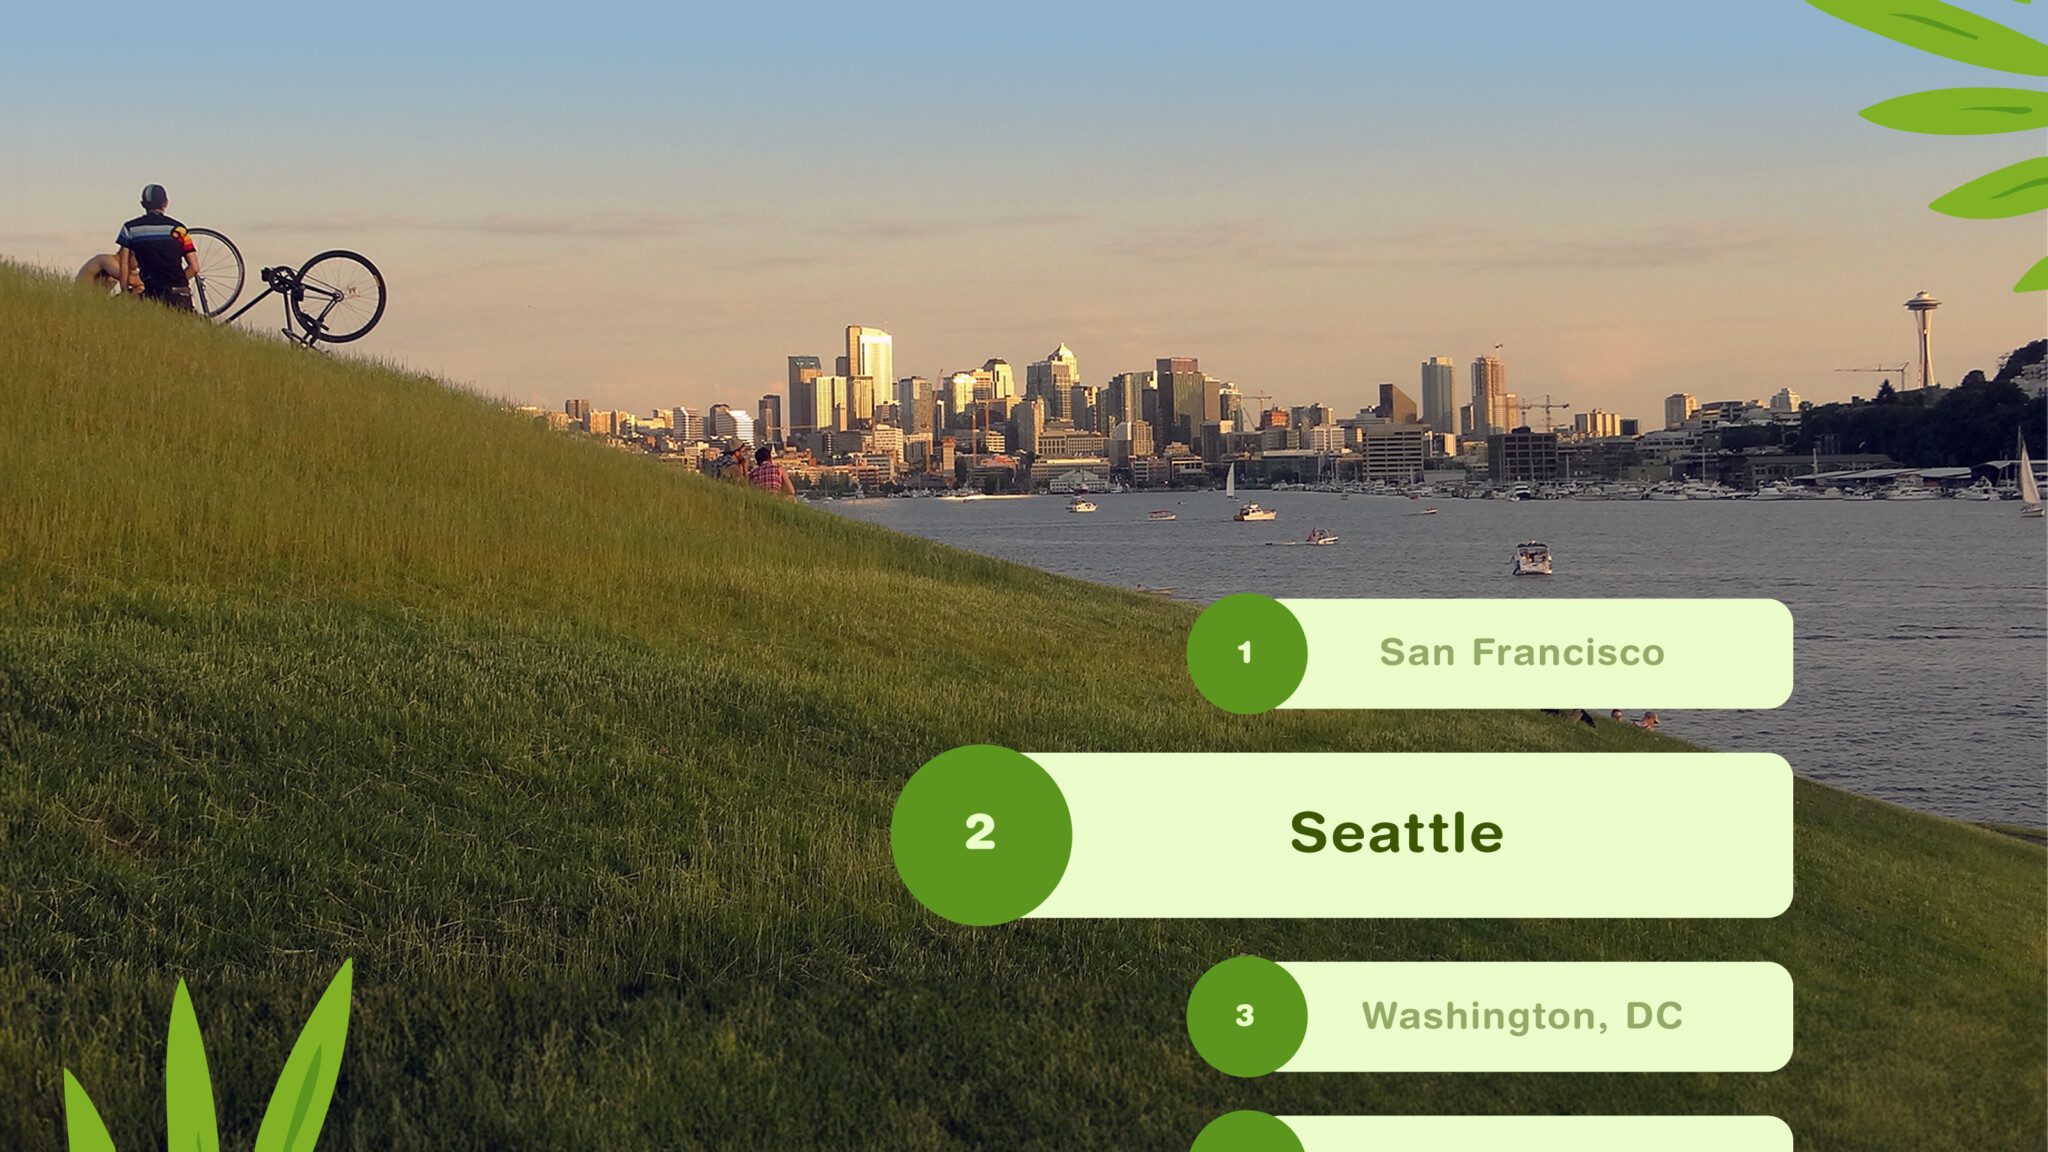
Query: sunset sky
[{"x": 649, "y": 208}]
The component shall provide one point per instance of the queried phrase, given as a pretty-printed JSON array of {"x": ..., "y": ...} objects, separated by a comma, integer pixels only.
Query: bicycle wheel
[
  {"x": 340, "y": 297},
  {"x": 220, "y": 271}
]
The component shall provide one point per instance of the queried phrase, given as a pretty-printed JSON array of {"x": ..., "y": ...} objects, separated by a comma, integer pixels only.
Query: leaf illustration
[
  {"x": 83, "y": 1129},
  {"x": 2011, "y": 191},
  {"x": 2036, "y": 279},
  {"x": 188, "y": 1091},
  {"x": 1944, "y": 30},
  {"x": 298, "y": 1105},
  {"x": 1963, "y": 111}
]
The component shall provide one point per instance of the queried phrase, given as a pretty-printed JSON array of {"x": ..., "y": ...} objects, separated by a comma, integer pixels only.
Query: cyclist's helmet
[{"x": 154, "y": 197}]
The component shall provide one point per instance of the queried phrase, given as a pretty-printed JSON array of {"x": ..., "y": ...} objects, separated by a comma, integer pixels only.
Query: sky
[{"x": 656, "y": 207}]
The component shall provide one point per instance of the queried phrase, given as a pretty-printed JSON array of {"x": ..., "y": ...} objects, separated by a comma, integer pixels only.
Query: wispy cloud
[
  {"x": 585, "y": 225},
  {"x": 1259, "y": 245},
  {"x": 931, "y": 227}
]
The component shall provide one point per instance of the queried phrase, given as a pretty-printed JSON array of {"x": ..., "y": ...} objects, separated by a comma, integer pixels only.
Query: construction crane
[
  {"x": 1547, "y": 407},
  {"x": 1898, "y": 369}
]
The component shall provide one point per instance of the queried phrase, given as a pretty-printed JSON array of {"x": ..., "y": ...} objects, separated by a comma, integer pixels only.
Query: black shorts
[{"x": 179, "y": 297}]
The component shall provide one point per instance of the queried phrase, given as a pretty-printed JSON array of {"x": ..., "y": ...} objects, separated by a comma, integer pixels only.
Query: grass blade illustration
[
  {"x": 298, "y": 1105},
  {"x": 188, "y": 1090},
  {"x": 1963, "y": 111},
  {"x": 2011, "y": 191},
  {"x": 1945, "y": 30},
  {"x": 2036, "y": 279},
  {"x": 84, "y": 1131}
]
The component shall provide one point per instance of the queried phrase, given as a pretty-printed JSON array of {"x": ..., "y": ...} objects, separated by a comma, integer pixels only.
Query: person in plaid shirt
[{"x": 768, "y": 476}]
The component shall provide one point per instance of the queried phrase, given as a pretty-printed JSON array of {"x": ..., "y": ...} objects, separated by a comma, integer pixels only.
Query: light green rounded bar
[
  {"x": 1540, "y": 1133},
  {"x": 1511, "y": 835},
  {"x": 1543, "y": 1017},
  {"x": 1594, "y": 654}
]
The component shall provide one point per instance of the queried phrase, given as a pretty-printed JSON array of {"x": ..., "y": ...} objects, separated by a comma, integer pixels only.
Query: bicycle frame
[{"x": 285, "y": 282}]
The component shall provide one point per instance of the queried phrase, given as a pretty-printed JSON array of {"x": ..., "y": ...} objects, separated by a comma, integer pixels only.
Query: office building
[
  {"x": 1678, "y": 408},
  {"x": 1490, "y": 396},
  {"x": 803, "y": 416},
  {"x": 1187, "y": 401},
  {"x": 1523, "y": 457},
  {"x": 578, "y": 411},
  {"x": 1786, "y": 400},
  {"x": 768, "y": 419},
  {"x": 1440, "y": 393},
  {"x": 1052, "y": 380},
  {"x": 871, "y": 353},
  {"x": 1396, "y": 406}
]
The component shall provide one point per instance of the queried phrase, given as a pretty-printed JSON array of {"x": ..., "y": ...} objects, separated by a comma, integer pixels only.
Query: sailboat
[
  {"x": 1230, "y": 483},
  {"x": 2030, "y": 491}
]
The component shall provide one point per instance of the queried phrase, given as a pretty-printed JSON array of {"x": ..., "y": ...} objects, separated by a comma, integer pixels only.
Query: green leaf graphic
[
  {"x": 298, "y": 1105},
  {"x": 2036, "y": 279},
  {"x": 82, "y": 1125},
  {"x": 2012, "y": 191},
  {"x": 1963, "y": 111},
  {"x": 188, "y": 1091},
  {"x": 1944, "y": 30}
]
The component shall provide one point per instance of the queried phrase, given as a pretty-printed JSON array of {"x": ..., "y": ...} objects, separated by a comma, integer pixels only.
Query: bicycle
[{"x": 335, "y": 297}]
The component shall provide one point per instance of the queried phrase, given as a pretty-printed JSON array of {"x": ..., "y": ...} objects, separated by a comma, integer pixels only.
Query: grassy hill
[{"x": 589, "y": 762}]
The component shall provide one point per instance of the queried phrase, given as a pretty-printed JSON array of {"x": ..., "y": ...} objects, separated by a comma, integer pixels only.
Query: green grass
[{"x": 588, "y": 763}]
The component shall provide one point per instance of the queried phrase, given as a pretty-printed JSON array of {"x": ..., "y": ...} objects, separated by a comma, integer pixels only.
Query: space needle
[{"x": 1922, "y": 307}]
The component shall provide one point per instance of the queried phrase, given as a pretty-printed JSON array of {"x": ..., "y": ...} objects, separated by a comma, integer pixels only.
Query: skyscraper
[
  {"x": 1395, "y": 405},
  {"x": 1187, "y": 400},
  {"x": 803, "y": 416},
  {"x": 1123, "y": 402},
  {"x": 1002, "y": 379},
  {"x": 1489, "y": 397},
  {"x": 1678, "y": 408},
  {"x": 768, "y": 419},
  {"x": 1052, "y": 380},
  {"x": 1439, "y": 393},
  {"x": 914, "y": 404},
  {"x": 871, "y": 353},
  {"x": 577, "y": 410}
]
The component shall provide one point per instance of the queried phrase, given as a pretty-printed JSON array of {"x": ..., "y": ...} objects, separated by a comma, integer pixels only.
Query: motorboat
[
  {"x": 1160, "y": 515},
  {"x": 1252, "y": 513},
  {"x": 1321, "y": 537},
  {"x": 1532, "y": 559},
  {"x": 1080, "y": 504}
]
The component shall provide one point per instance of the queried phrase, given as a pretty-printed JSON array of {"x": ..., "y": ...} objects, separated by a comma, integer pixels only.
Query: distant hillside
[{"x": 589, "y": 765}]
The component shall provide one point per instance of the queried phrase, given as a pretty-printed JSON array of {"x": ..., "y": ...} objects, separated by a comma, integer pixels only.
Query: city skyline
[{"x": 575, "y": 213}]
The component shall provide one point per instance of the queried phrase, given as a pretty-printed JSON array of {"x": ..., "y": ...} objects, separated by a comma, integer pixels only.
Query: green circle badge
[
  {"x": 981, "y": 835},
  {"x": 1247, "y": 654},
  {"x": 1247, "y": 1016},
  {"x": 1247, "y": 1132}
]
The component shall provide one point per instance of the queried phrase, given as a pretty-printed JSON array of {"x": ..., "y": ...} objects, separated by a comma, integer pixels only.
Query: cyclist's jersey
[{"x": 159, "y": 244}]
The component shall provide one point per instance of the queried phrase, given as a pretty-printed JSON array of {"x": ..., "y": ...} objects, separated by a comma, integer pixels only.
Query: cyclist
[{"x": 156, "y": 251}]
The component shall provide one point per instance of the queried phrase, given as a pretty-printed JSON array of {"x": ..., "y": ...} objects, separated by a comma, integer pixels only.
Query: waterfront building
[
  {"x": 1392, "y": 453},
  {"x": 1523, "y": 457}
]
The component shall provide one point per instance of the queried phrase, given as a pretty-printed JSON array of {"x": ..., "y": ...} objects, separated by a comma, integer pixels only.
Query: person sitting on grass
[
  {"x": 1648, "y": 723},
  {"x": 103, "y": 273},
  {"x": 769, "y": 476},
  {"x": 156, "y": 252}
]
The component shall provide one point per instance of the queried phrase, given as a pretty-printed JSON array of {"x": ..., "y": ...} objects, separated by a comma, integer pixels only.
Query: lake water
[{"x": 1922, "y": 654}]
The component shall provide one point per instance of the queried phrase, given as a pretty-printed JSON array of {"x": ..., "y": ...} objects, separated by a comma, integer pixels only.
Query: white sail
[
  {"x": 1230, "y": 485},
  {"x": 2030, "y": 492}
]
